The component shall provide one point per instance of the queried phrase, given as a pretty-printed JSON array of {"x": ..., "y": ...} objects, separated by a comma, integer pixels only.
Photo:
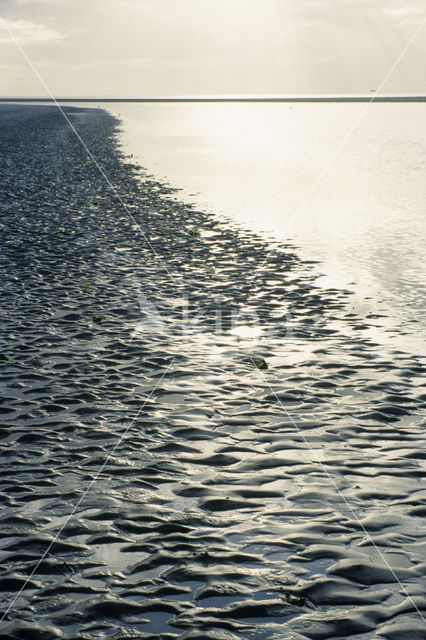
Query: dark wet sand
[{"x": 212, "y": 517}]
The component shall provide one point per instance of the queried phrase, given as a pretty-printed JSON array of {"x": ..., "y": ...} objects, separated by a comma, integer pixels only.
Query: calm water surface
[{"x": 282, "y": 170}]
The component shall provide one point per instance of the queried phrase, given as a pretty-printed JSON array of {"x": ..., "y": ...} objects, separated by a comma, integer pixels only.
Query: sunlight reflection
[{"x": 244, "y": 332}]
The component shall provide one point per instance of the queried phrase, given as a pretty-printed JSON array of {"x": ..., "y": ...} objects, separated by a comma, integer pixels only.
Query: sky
[{"x": 168, "y": 48}]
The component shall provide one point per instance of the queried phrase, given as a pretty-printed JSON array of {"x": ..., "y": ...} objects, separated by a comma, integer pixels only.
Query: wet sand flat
[{"x": 154, "y": 482}]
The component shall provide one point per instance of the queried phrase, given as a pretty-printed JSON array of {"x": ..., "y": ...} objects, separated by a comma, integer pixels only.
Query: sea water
[{"x": 343, "y": 182}]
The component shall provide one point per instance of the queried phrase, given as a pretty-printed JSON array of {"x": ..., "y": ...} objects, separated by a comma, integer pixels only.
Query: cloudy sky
[{"x": 146, "y": 48}]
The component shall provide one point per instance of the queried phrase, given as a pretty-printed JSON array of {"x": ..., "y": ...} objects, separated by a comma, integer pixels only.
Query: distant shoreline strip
[{"x": 288, "y": 99}]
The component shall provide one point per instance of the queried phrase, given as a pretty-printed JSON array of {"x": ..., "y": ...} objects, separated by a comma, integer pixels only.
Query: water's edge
[{"x": 209, "y": 499}]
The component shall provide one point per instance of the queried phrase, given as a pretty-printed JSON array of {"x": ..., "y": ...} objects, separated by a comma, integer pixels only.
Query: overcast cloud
[{"x": 159, "y": 48}]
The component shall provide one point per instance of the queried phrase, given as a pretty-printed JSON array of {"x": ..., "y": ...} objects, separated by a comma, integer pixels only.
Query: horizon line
[{"x": 315, "y": 98}]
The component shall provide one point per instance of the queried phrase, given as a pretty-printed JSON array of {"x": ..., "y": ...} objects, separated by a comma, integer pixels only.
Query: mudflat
[{"x": 191, "y": 448}]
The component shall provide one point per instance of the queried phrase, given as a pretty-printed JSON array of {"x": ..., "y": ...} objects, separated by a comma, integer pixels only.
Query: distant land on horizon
[{"x": 344, "y": 98}]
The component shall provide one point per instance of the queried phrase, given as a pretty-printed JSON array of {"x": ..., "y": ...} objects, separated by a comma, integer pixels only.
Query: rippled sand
[{"x": 209, "y": 499}]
